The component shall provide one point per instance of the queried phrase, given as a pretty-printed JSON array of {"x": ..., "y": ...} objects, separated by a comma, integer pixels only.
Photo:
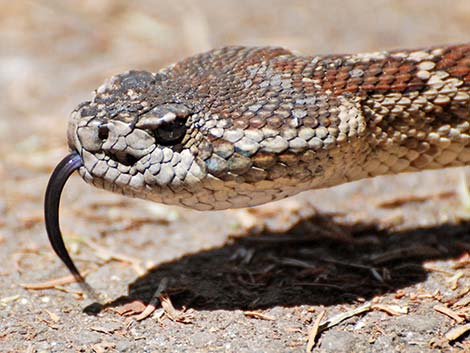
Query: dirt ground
[{"x": 390, "y": 256}]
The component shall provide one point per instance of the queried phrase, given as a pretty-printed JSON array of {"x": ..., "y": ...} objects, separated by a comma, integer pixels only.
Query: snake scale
[{"x": 242, "y": 126}]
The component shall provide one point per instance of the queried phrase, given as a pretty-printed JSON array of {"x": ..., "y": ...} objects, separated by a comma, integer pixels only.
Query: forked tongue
[{"x": 54, "y": 189}]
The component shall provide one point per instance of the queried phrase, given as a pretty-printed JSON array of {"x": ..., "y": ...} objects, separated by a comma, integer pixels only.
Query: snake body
[{"x": 242, "y": 126}]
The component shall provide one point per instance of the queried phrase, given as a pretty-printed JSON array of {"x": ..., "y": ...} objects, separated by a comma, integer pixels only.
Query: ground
[{"x": 391, "y": 254}]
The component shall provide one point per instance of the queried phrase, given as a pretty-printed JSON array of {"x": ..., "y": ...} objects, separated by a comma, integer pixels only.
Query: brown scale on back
[{"x": 403, "y": 97}]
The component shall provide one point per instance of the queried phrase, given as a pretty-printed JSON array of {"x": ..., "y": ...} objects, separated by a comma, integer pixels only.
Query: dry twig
[
  {"x": 449, "y": 312},
  {"x": 258, "y": 315},
  {"x": 313, "y": 332}
]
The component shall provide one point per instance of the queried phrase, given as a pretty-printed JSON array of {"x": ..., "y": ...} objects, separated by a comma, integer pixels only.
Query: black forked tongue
[{"x": 51, "y": 213}]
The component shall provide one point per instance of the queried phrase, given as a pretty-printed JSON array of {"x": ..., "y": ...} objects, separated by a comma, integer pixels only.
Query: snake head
[
  {"x": 130, "y": 139},
  {"x": 136, "y": 141}
]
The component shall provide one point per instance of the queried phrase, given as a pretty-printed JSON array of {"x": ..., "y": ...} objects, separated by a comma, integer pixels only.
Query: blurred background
[{"x": 54, "y": 53}]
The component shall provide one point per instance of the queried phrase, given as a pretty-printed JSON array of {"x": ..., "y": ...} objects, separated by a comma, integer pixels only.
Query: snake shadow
[{"x": 312, "y": 263}]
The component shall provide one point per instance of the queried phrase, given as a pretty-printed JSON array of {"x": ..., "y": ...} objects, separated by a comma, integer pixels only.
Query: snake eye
[
  {"x": 171, "y": 133},
  {"x": 168, "y": 123}
]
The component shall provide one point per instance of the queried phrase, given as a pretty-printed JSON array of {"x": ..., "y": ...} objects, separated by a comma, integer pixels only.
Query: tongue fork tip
[{"x": 59, "y": 176}]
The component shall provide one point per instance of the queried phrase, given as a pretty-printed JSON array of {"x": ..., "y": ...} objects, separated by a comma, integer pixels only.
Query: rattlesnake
[{"x": 242, "y": 126}]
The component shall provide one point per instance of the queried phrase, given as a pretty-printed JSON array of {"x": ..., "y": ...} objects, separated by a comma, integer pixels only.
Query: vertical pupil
[{"x": 171, "y": 133}]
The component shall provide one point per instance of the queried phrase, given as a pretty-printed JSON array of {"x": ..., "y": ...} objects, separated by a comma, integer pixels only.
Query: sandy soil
[{"x": 252, "y": 280}]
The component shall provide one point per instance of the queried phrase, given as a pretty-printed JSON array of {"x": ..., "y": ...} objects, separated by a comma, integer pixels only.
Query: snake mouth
[{"x": 122, "y": 157}]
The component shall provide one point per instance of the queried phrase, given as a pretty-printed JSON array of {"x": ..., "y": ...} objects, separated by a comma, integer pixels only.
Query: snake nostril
[{"x": 103, "y": 132}]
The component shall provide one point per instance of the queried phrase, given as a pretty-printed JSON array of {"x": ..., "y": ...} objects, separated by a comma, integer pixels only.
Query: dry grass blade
[
  {"x": 394, "y": 310},
  {"x": 432, "y": 268},
  {"x": 152, "y": 306},
  {"x": 131, "y": 308},
  {"x": 456, "y": 332},
  {"x": 449, "y": 312},
  {"x": 335, "y": 320},
  {"x": 52, "y": 283},
  {"x": 258, "y": 315},
  {"x": 171, "y": 312},
  {"x": 54, "y": 317},
  {"x": 464, "y": 301},
  {"x": 454, "y": 280},
  {"x": 313, "y": 332}
]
